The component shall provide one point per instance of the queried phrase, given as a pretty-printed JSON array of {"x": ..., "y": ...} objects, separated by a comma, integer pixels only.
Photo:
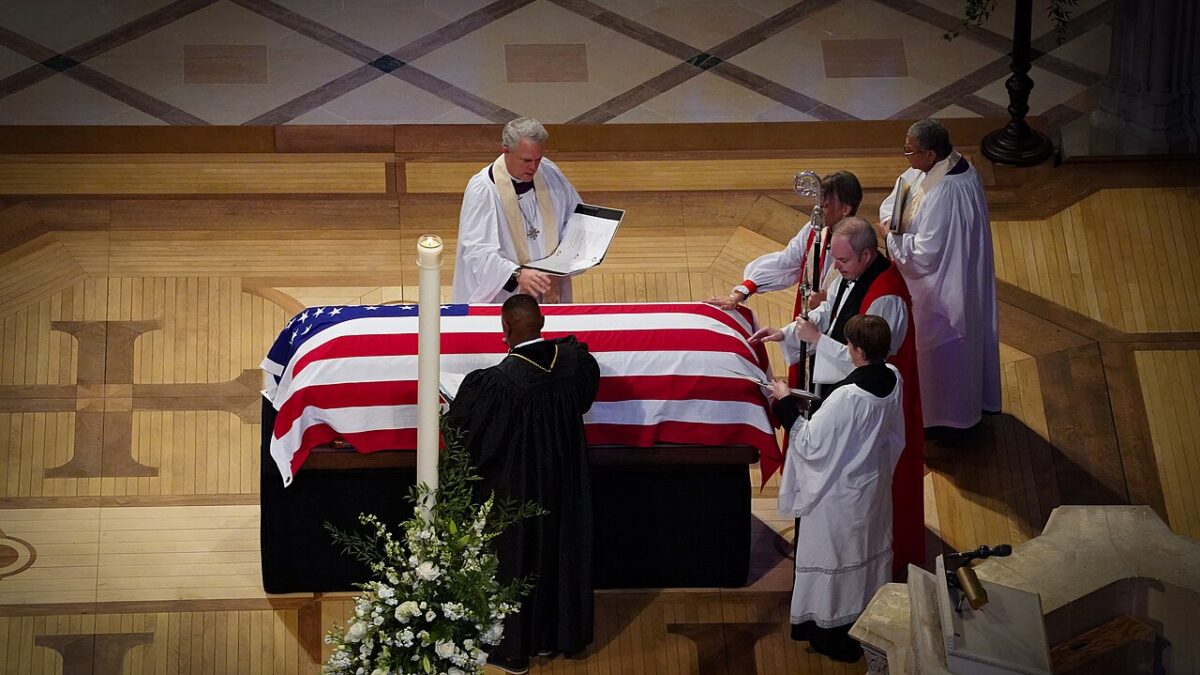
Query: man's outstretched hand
[
  {"x": 729, "y": 302},
  {"x": 767, "y": 334}
]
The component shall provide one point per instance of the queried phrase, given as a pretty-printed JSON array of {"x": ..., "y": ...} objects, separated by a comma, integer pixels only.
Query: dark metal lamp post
[{"x": 1017, "y": 143}]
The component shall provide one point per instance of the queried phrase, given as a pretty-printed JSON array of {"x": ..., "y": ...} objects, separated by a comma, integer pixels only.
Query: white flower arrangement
[{"x": 434, "y": 606}]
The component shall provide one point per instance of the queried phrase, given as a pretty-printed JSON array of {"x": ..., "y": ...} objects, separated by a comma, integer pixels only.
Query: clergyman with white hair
[{"x": 513, "y": 211}]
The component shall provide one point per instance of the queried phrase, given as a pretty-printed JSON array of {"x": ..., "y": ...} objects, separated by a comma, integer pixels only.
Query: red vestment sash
[
  {"x": 908, "y": 480},
  {"x": 796, "y": 375}
]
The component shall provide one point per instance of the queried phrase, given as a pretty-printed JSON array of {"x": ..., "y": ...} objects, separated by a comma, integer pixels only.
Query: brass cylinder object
[{"x": 971, "y": 588}]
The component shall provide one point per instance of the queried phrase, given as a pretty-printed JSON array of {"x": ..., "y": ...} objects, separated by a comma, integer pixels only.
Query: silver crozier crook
[{"x": 808, "y": 184}]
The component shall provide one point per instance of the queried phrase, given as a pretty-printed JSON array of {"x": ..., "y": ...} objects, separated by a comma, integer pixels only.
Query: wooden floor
[{"x": 138, "y": 294}]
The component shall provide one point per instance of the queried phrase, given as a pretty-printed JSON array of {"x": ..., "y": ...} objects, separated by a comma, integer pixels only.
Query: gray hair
[
  {"x": 523, "y": 127},
  {"x": 931, "y": 135},
  {"x": 858, "y": 232}
]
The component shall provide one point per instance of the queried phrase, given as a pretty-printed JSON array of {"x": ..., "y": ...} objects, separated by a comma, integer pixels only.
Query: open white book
[
  {"x": 584, "y": 243},
  {"x": 448, "y": 384}
]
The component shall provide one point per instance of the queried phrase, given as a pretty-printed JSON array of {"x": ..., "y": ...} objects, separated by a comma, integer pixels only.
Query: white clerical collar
[{"x": 528, "y": 342}]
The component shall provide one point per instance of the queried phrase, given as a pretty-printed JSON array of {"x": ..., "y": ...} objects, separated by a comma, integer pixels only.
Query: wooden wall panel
[
  {"x": 288, "y": 215},
  {"x": 54, "y": 139},
  {"x": 650, "y": 175},
  {"x": 313, "y": 253},
  {"x": 192, "y": 174}
]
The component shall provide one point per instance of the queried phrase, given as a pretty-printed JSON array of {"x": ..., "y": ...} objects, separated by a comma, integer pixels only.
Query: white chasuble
[
  {"x": 495, "y": 235},
  {"x": 837, "y": 480}
]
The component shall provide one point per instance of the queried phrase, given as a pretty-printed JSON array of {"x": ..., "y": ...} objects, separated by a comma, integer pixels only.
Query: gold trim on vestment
[
  {"x": 512, "y": 211},
  {"x": 916, "y": 194},
  {"x": 537, "y": 365}
]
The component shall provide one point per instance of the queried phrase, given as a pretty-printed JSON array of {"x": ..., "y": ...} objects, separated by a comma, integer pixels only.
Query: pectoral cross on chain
[{"x": 530, "y": 231}]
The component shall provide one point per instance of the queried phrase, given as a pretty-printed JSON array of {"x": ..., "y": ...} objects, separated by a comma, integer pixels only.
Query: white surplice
[
  {"x": 838, "y": 481},
  {"x": 486, "y": 257},
  {"x": 832, "y": 362},
  {"x": 784, "y": 269},
  {"x": 945, "y": 256}
]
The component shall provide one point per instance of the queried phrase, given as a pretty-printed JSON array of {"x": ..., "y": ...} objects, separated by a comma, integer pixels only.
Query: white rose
[
  {"x": 430, "y": 616},
  {"x": 406, "y": 609},
  {"x": 427, "y": 571},
  {"x": 444, "y": 649},
  {"x": 455, "y": 671},
  {"x": 356, "y": 632}
]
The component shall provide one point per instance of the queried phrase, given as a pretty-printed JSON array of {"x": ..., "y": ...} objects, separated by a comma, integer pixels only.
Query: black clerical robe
[{"x": 523, "y": 420}]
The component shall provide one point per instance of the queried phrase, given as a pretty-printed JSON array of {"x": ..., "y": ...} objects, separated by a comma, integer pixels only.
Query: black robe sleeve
[
  {"x": 786, "y": 410},
  {"x": 523, "y": 420}
]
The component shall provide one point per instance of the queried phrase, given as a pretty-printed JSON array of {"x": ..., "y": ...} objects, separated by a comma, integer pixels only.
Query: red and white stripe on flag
[{"x": 669, "y": 373}]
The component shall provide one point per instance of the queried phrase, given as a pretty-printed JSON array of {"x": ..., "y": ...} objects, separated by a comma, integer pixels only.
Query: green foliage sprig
[
  {"x": 977, "y": 12},
  {"x": 433, "y": 605}
]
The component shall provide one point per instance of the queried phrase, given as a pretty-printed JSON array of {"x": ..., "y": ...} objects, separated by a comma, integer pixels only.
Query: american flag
[{"x": 668, "y": 374}]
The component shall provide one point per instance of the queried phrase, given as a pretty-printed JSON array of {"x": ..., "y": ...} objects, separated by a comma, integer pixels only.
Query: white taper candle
[{"x": 429, "y": 351}]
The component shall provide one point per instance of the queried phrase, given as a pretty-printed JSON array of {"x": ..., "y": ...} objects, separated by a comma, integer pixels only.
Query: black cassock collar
[{"x": 874, "y": 378}]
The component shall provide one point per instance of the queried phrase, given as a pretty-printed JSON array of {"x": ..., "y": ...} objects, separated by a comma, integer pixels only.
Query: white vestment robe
[
  {"x": 838, "y": 481},
  {"x": 485, "y": 257},
  {"x": 945, "y": 256},
  {"x": 783, "y": 269},
  {"x": 832, "y": 361}
]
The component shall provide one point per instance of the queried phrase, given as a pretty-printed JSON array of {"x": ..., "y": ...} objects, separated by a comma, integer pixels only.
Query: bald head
[{"x": 521, "y": 319}]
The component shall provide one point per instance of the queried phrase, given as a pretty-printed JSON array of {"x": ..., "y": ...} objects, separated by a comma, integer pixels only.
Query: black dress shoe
[{"x": 515, "y": 666}]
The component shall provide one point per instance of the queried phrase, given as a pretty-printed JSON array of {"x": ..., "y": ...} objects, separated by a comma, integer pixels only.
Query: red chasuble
[{"x": 908, "y": 480}]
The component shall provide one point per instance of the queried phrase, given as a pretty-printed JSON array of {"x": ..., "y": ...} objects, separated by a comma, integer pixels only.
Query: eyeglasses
[{"x": 910, "y": 153}]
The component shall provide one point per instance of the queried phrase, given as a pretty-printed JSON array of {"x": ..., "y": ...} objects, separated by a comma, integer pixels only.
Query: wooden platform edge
[{"x": 481, "y": 138}]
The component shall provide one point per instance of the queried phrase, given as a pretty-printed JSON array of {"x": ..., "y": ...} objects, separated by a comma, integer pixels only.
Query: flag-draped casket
[{"x": 669, "y": 373}]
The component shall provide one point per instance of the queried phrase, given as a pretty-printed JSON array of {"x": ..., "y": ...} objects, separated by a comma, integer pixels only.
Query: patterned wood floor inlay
[
  {"x": 151, "y": 643},
  {"x": 131, "y": 331},
  {"x": 1169, "y": 383},
  {"x": 1121, "y": 257}
]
